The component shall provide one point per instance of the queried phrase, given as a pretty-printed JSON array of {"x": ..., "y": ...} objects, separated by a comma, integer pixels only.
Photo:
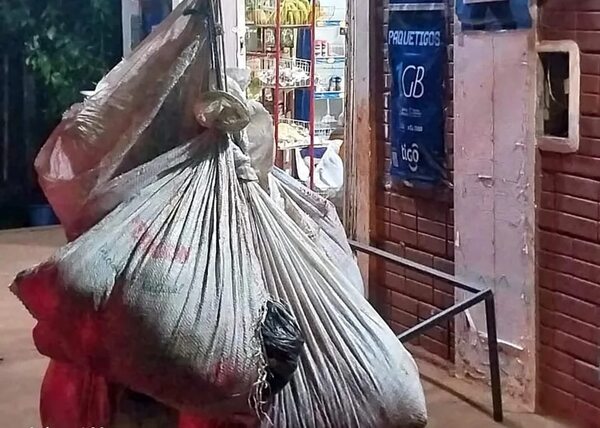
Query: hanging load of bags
[{"x": 194, "y": 276}]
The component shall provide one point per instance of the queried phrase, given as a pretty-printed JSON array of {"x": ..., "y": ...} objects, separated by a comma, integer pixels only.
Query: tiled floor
[{"x": 21, "y": 367}]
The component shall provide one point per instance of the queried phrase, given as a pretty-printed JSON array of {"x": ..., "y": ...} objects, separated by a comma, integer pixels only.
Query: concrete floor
[{"x": 21, "y": 367}]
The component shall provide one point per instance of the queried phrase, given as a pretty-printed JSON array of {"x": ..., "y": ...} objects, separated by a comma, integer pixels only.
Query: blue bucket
[{"x": 41, "y": 215}]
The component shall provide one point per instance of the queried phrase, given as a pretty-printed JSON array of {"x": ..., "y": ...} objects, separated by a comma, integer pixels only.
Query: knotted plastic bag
[{"x": 140, "y": 110}]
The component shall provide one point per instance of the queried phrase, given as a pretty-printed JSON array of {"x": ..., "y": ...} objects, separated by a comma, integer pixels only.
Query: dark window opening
[{"x": 555, "y": 95}]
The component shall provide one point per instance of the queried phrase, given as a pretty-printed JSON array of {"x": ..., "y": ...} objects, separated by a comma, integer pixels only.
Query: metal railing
[{"x": 479, "y": 296}]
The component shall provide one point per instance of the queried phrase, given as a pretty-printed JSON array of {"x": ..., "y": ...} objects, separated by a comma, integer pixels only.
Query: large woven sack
[
  {"x": 354, "y": 372},
  {"x": 165, "y": 294}
]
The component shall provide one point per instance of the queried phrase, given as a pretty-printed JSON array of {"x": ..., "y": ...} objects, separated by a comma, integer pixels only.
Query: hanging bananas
[{"x": 295, "y": 12}]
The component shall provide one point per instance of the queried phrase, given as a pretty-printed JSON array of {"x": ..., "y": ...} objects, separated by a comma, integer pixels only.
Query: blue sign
[
  {"x": 494, "y": 15},
  {"x": 418, "y": 58}
]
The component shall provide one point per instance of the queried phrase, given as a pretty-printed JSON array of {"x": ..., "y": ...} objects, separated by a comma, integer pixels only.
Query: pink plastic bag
[{"x": 124, "y": 123}]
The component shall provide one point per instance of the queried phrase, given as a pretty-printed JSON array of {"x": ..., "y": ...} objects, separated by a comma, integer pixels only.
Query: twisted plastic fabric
[{"x": 140, "y": 110}]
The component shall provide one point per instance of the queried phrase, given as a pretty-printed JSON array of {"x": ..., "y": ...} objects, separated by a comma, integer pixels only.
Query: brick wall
[
  {"x": 413, "y": 224},
  {"x": 569, "y": 258}
]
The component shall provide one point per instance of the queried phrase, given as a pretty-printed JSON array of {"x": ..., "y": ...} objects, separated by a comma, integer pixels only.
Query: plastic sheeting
[{"x": 140, "y": 110}]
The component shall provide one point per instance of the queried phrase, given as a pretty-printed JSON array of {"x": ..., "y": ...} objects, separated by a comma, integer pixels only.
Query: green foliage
[{"x": 68, "y": 44}]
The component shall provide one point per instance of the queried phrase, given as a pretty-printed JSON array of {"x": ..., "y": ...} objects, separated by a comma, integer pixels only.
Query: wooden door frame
[{"x": 358, "y": 148}]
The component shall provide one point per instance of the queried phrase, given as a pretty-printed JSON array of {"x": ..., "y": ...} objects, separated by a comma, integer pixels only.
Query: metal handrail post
[
  {"x": 479, "y": 296},
  {"x": 492, "y": 338}
]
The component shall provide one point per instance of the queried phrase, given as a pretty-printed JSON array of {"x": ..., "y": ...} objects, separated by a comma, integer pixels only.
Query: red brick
[
  {"x": 430, "y": 227},
  {"x": 589, "y": 41},
  {"x": 394, "y": 282},
  {"x": 547, "y": 336},
  {"x": 589, "y": 394},
  {"x": 439, "y": 334},
  {"x": 586, "y": 251},
  {"x": 420, "y": 257},
  {"x": 557, "y": 379},
  {"x": 547, "y": 317},
  {"x": 408, "y": 221},
  {"x": 557, "y": 360},
  {"x": 590, "y": 84},
  {"x": 403, "y": 204},
  {"x": 587, "y": 293},
  {"x": 587, "y": 373},
  {"x": 426, "y": 311},
  {"x": 548, "y": 200},
  {"x": 576, "y": 226},
  {"x": 588, "y": 21},
  {"x": 442, "y": 300},
  {"x": 590, "y": 63},
  {"x": 577, "y": 206},
  {"x": 576, "y": 308},
  {"x": 382, "y": 214},
  {"x": 547, "y": 219},
  {"x": 443, "y": 265},
  {"x": 431, "y": 210},
  {"x": 546, "y": 277},
  {"x": 589, "y": 104},
  {"x": 548, "y": 299},
  {"x": 548, "y": 182},
  {"x": 556, "y": 243},
  {"x": 582, "y": 165},
  {"x": 435, "y": 347},
  {"x": 432, "y": 244},
  {"x": 404, "y": 303},
  {"x": 576, "y": 328},
  {"x": 589, "y": 147},
  {"x": 556, "y": 402},
  {"x": 395, "y": 248},
  {"x": 573, "y": 267},
  {"x": 393, "y": 268},
  {"x": 586, "y": 414},
  {"x": 559, "y": 19},
  {"x": 404, "y": 235},
  {"x": 419, "y": 277},
  {"x": 552, "y": 163},
  {"x": 578, "y": 348},
  {"x": 578, "y": 186},
  {"x": 443, "y": 286},
  {"x": 403, "y": 318},
  {"x": 421, "y": 292}
]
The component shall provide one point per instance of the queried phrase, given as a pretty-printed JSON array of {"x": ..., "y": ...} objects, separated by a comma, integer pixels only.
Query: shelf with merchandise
[
  {"x": 294, "y": 73},
  {"x": 295, "y": 134}
]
